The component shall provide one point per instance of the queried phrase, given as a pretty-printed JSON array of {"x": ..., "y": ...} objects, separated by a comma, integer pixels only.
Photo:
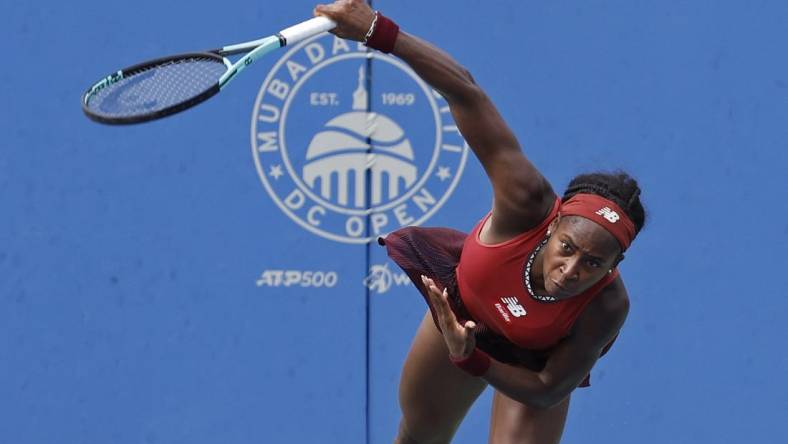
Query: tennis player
[{"x": 531, "y": 298}]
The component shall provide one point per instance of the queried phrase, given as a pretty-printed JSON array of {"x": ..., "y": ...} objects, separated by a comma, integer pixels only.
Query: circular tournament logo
[{"x": 347, "y": 161}]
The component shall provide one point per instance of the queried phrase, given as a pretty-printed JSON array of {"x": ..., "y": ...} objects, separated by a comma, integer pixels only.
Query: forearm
[
  {"x": 567, "y": 365},
  {"x": 437, "y": 68},
  {"x": 478, "y": 120},
  {"x": 528, "y": 387}
]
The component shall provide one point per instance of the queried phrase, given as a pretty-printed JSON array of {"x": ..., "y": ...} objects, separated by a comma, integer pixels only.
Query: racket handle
[{"x": 307, "y": 29}]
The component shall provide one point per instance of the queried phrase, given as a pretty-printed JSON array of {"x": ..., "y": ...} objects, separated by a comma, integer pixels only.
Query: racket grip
[{"x": 307, "y": 29}]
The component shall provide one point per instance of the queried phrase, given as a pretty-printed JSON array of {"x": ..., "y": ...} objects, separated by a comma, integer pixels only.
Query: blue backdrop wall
[{"x": 207, "y": 278}]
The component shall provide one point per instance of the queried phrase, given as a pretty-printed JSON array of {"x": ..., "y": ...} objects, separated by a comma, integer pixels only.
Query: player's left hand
[{"x": 459, "y": 338}]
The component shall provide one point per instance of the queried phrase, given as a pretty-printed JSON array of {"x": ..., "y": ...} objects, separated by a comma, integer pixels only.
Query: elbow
[
  {"x": 541, "y": 402},
  {"x": 464, "y": 90},
  {"x": 468, "y": 77},
  {"x": 472, "y": 93},
  {"x": 545, "y": 398},
  {"x": 546, "y": 402}
]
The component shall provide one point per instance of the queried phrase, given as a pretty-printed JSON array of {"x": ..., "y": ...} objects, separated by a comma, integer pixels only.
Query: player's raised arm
[{"x": 522, "y": 195}]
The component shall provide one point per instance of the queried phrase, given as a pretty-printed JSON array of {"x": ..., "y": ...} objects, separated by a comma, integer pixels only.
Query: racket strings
[{"x": 158, "y": 87}]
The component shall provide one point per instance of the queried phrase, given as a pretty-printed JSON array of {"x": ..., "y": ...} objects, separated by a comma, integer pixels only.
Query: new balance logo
[
  {"x": 609, "y": 214},
  {"x": 514, "y": 307}
]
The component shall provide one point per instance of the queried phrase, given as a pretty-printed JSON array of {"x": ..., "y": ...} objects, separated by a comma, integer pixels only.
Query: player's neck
[{"x": 537, "y": 275}]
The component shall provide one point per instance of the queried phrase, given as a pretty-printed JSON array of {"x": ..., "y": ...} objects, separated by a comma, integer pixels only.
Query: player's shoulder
[
  {"x": 514, "y": 221},
  {"x": 604, "y": 316},
  {"x": 612, "y": 302}
]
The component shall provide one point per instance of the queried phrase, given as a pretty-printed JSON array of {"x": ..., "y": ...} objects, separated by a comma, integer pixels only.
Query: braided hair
[{"x": 618, "y": 187}]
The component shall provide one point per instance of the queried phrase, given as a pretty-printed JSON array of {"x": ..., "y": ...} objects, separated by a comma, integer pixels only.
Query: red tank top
[{"x": 492, "y": 287}]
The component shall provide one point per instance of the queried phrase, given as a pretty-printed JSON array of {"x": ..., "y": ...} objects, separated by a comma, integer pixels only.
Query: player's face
[{"x": 579, "y": 253}]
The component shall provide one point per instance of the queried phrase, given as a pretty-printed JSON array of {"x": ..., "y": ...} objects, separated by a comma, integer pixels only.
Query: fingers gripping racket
[{"x": 161, "y": 87}]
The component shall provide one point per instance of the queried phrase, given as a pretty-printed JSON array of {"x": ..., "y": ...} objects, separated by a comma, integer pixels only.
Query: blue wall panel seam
[{"x": 367, "y": 262}]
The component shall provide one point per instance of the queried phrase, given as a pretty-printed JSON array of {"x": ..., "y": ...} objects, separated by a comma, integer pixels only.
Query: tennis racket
[{"x": 162, "y": 87}]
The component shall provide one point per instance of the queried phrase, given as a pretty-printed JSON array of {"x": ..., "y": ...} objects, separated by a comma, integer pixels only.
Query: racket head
[{"x": 154, "y": 89}]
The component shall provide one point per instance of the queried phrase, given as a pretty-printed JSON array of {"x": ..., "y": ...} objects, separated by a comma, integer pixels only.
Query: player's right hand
[{"x": 353, "y": 18}]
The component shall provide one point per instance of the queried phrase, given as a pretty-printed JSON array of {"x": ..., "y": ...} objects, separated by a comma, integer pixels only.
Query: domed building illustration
[{"x": 338, "y": 157}]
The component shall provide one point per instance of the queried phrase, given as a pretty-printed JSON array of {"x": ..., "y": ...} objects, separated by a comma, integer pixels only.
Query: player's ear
[
  {"x": 617, "y": 261},
  {"x": 551, "y": 229}
]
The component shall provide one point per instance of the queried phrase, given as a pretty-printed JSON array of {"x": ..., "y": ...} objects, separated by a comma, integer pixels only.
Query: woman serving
[{"x": 531, "y": 298}]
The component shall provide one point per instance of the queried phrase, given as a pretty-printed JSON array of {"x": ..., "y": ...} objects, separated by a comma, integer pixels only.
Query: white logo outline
[
  {"x": 381, "y": 279},
  {"x": 609, "y": 214},
  {"x": 514, "y": 306}
]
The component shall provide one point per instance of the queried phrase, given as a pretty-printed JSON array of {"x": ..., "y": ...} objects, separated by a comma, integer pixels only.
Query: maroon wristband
[
  {"x": 476, "y": 364},
  {"x": 384, "y": 36}
]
